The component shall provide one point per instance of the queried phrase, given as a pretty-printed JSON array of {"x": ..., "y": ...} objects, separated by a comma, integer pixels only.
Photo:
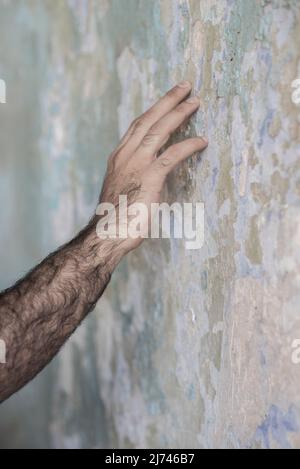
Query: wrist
[{"x": 101, "y": 252}]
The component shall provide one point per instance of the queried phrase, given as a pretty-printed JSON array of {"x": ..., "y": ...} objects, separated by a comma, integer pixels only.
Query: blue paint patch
[
  {"x": 276, "y": 426},
  {"x": 263, "y": 360},
  {"x": 191, "y": 393},
  {"x": 265, "y": 126},
  {"x": 246, "y": 269},
  {"x": 204, "y": 280},
  {"x": 265, "y": 56}
]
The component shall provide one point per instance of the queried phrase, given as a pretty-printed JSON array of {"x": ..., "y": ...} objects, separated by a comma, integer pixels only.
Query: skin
[{"x": 40, "y": 312}]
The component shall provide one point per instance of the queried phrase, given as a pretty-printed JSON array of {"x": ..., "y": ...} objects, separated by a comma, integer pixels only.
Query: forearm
[{"x": 41, "y": 311}]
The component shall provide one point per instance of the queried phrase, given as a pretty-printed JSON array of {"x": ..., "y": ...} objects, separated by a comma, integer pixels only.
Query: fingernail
[
  {"x": 184, "y": 84},
  {"x": 193, "y": 100},
  {"x": 204, "y": 140}
]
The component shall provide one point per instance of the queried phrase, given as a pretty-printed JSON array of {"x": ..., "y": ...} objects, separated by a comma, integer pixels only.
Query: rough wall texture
[{"x": 187, "y": 349}]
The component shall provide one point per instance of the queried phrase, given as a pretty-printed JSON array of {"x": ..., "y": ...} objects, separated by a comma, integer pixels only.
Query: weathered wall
[{"x": 186, "y": 349}]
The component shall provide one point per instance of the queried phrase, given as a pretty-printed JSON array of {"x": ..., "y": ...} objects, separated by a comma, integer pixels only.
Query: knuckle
[
  {"x": 137, "y": 124},
  {"x": 165, "y": 161},
  {"x": 150, "y": 139}
]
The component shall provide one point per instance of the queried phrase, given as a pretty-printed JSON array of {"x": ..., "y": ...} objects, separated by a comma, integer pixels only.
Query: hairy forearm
[{"x": 42, "y": 310}]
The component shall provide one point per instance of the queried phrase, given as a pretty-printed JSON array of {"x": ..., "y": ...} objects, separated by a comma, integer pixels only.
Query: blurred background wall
[{"x": 186, "y": 349}]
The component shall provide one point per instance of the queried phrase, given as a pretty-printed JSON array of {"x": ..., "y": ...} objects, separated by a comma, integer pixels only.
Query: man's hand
[
  {"x": 135, "y": 168},
  {"x": 41, "y": 311}
]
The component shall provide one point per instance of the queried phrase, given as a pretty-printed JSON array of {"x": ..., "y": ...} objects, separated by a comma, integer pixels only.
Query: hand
[{"x": 135, "y": 169}]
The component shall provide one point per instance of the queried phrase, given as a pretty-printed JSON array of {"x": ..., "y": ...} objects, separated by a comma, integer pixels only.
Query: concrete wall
[{"x": 187, "y": 349}]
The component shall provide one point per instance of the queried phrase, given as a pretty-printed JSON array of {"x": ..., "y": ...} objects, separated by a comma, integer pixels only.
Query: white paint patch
[{"x": 2, "y": 92}]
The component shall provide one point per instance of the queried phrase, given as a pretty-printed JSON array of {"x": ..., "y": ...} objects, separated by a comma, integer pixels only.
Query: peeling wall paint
[{"x": 186, "y": 349}]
